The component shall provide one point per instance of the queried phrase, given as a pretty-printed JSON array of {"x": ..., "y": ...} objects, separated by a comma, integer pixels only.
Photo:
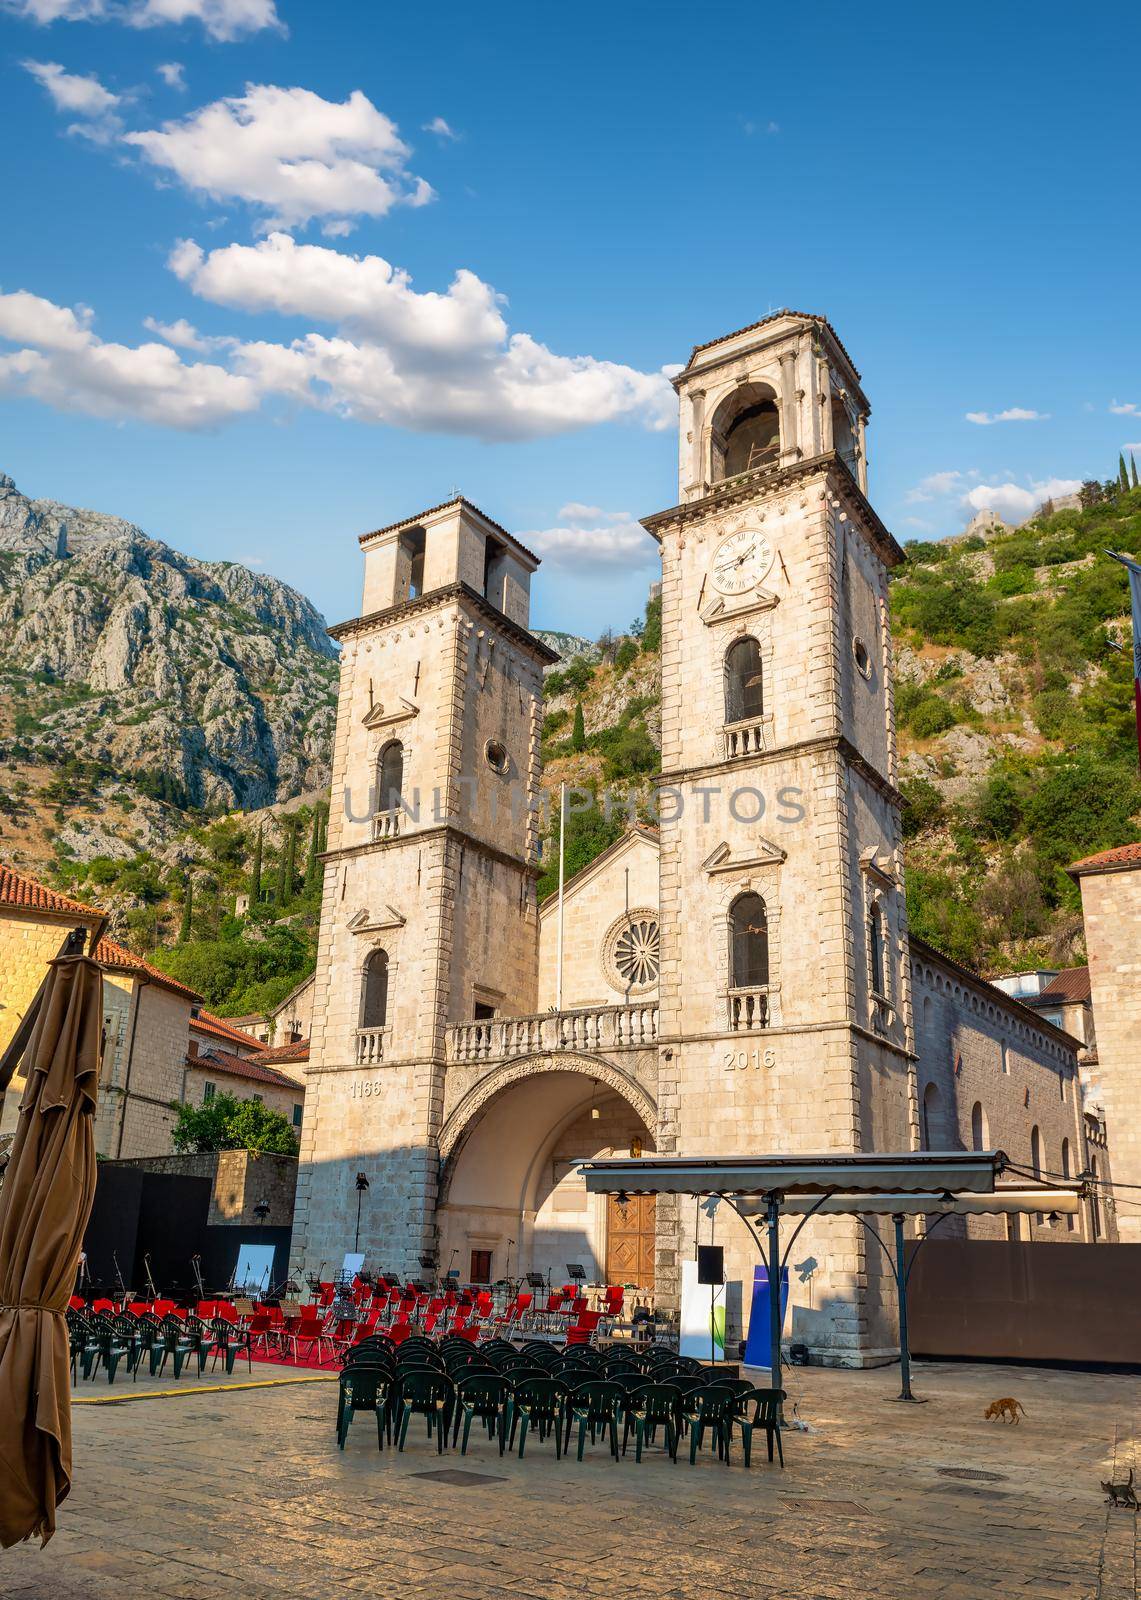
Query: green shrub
[
  {"x": 933, "y": 716},
  {"x": 923, "y": 806},
  {"x": 1012, "y": 580}
]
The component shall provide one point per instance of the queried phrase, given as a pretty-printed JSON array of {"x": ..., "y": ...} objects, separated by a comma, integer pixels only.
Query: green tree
[
  {"x": 187, "y": 909},
  {"x": 255, "y": 870},
  {"x": 578, "y": 732},
  {"x": 1122, "y": 475},
  {"x": 227, "y": 1123},
  {"x": 1132, "y": 470},
  {"x": 313, "y": 865},
  {"x": 652, "y": 632}
]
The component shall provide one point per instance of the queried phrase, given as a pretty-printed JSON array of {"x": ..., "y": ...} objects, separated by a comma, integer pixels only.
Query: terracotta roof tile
[
  {"x": 298, "y": 1051},
  {"x": 1071, "y": 985},
  {"x": 231, "y": 1066},
  {"x": 207, "y": 1022},
  {"x": 773, "y": 316},
  {"x": 26, "y": 894},
  {"x": 1123, "y": 855},
  {"x": 112, "y": 955}
]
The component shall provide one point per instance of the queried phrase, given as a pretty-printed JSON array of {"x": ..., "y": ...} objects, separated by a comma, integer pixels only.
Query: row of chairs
[
  {"x": 509, "y": 1391},
  {"x": 107, "y": 1340}
]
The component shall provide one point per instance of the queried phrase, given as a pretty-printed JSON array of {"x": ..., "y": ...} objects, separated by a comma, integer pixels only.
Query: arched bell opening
[{"x": 744, "y": 432}]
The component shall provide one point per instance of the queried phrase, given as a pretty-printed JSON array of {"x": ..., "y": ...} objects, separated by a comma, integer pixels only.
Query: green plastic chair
[
  {"x": 712, "y": 1408},
  {"x": 361, "y": 1388},
  {"x": 539, "y": 1403},
  {"x": 426, "y": 1393},
  {"x": 595, "y": 1405},
  {"x": 229, "y": 1342},
  {"x": 765, "y": 1406},
  {"x": 650, "y": 1406},
  {"x": 382, "y": 1368},
  {"x": 486, "y": 1395}
]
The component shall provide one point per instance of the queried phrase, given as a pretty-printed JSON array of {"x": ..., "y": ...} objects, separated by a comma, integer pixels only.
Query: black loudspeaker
[{"x": 710, "y": 1263}]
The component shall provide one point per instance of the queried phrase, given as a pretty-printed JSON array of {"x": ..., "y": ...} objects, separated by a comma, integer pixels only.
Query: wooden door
[{"x": 630, "y": 1229}]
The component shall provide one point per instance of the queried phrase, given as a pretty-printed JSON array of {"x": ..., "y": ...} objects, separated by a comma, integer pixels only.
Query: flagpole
[
  {"x": 1134, "y": 571},
  {"x": 562, "y": 872}
]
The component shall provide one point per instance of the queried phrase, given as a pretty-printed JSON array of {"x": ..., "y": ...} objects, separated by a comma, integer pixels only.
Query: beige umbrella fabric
[{"x": 49, "y": 1186}]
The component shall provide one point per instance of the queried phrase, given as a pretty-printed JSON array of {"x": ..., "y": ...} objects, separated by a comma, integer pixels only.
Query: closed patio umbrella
[{"x": 45, "y": 1202}]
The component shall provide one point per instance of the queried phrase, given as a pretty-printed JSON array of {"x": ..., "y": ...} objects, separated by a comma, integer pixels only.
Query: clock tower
[{"x": 784, "y": 991}]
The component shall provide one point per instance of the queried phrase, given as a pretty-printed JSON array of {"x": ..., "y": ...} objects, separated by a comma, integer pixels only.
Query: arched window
[
  {"x": 843, "y": 435},
  {"x": 980, "y": 1133},
  {"x": 930, "y": 1116},
  {"x": 750, "y": 956},
  {"x": 877, "y": 952},
  {"x": 1036, "y": 1151},
  {"x": 1094, "y": 1201},
  {"x": 743, "y": 691},
  {"x": 374, "y": 999},
  {"x": 390, "y": 776}
]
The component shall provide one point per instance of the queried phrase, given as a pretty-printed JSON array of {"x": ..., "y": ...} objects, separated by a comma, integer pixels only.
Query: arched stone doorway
[{"x": 510, "y": 1200}]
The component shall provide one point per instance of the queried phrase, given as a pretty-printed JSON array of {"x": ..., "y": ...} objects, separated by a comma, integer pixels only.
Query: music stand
[
  {"x": 535, "y": 1280},
  {"x": 575, "y": 1272}
]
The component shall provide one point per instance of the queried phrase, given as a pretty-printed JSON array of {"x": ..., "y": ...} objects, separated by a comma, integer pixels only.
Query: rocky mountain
[{"x": 136, "y": 681}]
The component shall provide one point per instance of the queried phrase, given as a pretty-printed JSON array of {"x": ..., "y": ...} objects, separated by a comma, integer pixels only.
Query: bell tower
[
  {"x": 784, "y": 993},
  {"x": 428, "y": 915}
]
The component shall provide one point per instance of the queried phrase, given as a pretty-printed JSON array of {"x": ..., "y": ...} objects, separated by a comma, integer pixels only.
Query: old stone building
[
  {"x": 1110, "y": 884},
  {"x": 739, "y": 981}
]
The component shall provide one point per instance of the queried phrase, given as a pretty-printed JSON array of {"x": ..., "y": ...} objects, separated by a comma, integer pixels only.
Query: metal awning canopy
[
  {"x": 908, "y": 1183},
  {"x": 909, "y": 1172},
  {"x": 1066, "y": 1202}
]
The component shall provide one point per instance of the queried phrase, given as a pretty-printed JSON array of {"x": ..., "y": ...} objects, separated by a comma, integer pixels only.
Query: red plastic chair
[
  {"x": 325, "y": 1294},
  {"x": 103, "y": 1305},
  {"x": 615, "y": 1300},
  {"x": 311, "y": 1332},
  {"x": 585, "y": 1328},
  {"x": 77, "y": 1303},
  {"x": 261, "y": 1327}
]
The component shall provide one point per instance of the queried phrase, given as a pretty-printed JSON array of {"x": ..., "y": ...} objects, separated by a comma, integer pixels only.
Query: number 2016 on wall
[{"x": 742, "y": 1060}]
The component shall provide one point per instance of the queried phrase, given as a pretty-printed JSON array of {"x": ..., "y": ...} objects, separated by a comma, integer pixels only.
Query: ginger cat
[{"x": 1007, "y": 1409}]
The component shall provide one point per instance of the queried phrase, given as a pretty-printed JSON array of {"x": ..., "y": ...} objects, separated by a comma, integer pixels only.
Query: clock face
[{"x": 741, "y": 561}]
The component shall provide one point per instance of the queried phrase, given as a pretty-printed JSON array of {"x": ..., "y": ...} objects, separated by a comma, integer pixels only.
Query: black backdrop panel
[
  {"x": 172, "y": 1228},
  {"x": 113, "y": 1225},
  {"x": 222, "y": 1243}
]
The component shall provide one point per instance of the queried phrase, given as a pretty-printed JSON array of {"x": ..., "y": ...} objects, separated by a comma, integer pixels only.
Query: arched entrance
[{"x": 510, "y": 1199}]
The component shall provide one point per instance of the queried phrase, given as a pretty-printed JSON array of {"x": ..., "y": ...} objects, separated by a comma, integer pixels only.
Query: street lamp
[{"x": 362, "y": 1189}]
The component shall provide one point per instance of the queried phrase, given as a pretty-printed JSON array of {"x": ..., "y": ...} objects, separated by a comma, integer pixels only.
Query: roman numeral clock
[{"x": 741, "y": 561}]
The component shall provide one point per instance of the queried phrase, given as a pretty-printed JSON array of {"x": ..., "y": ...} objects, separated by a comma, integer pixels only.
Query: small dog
[
  {"x": 1007, "y": 1409},
  {"x": 1121, "y": 1494}
]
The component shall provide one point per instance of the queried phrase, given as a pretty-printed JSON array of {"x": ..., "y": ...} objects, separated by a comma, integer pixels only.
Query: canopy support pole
[{"x": 901, "y": 1290}]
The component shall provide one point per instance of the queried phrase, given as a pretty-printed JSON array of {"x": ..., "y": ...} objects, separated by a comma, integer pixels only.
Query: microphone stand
[
  {"x": 197, "y": 1270},
  {"x": 119, "y": 1280},
  {"x": 150, "y": 1280}
]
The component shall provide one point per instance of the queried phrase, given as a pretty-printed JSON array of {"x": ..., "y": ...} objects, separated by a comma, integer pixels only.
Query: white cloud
[
  {"x": 364, "y": 295},
  {"x": 62, "y": 363},
  {"x": 222, "y": 19},
  {"x": 1136, "y": 445},
  {"x": 172, "y": 74},
  {"x": 442, "y": 129},
  {"x": 289, "y": 152},
  {"x": 1015, "y": 503},
  {"x": 933, "y": 486},
  {"x": 81, "y": 96},
  {"x": 1127, "y": 408},
  {"x": 621, "y": 542},
  {"x": 984, "y": 419},
  {"x": 918, "y": 523},
  {"x": 186, "y": 336}
]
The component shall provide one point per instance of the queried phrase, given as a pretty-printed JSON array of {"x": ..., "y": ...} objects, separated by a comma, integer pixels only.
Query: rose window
[{"x": 636, "y": 952}]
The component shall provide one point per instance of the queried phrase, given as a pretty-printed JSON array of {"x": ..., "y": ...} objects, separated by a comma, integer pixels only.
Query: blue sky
[{"x": 273, "y": 273}]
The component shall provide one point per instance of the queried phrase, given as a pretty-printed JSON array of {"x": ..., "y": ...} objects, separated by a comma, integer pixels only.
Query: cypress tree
[
  {"x": 280, "y": 891},
  {"x": 578, "y": 732},
  {"x": 1122, "y": 475},
  {"x": 1132, "y": 469},
  {"x": 187, "y": 909},
  {"x": 255, "y": 870},
  {"x": 312, "y": 865}
]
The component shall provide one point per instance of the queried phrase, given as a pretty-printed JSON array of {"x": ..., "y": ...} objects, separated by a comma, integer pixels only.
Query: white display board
[
  {"x": 254, "y": 1272},
  {"x": 351, "y": 1265},
  {"x": 702, "y": 1316}
]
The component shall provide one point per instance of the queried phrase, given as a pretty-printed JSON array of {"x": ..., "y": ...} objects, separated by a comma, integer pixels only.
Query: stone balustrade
[
  {"x": 598, "y": 1028},
  {"x": 745, "y": 738},
  {"x": 386, "y": 825},
  {"x": 748, "y": 1009},
  {"x": 370, "y": 1046}
]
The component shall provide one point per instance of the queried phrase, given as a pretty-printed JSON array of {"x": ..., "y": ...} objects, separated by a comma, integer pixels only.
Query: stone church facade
[{"x": 737, "y": 981}]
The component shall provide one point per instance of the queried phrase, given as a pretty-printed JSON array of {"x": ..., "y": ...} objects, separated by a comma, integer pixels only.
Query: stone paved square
[{"x": 242, "y": 1492}]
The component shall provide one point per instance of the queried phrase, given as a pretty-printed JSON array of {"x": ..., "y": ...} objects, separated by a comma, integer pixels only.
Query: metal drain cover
[
  {"x": 468, "y": 1480},
  {"x": 839, "y": 1508},
  {"x": 971, "y": 1474}
]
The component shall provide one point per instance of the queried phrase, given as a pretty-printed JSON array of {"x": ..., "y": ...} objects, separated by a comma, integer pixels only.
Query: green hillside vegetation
[
  {"x": 187, "y": 924},
  {"x": 986, "y": 874}
]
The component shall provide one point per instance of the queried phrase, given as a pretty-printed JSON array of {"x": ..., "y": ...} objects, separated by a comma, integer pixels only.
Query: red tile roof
[
  {"x": 1124, "y": 855},
  {"x": 231, "y": 1066},
  {"x": 25, "y": 894},
  {"x": 207, "y": 1022},
  {"x": 298, "y": 1051},
  {"x": 774, "y": 316},
  {"x": 1070, "y": 986},
  {"x": 114, "y": 956}
]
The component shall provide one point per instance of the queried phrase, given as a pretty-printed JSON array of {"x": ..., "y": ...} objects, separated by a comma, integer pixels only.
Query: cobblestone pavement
[{"x": 243, "y": 1493}]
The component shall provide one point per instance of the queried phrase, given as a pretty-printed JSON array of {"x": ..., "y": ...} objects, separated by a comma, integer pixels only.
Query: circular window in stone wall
[
  {"x": 863, "y": 659},
  {"x": 632, "y": 951},
  {"x": 497, "y": 758}
]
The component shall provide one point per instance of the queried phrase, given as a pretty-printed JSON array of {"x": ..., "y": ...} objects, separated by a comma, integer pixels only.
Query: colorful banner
[{"x": 702, "y": 1316}]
